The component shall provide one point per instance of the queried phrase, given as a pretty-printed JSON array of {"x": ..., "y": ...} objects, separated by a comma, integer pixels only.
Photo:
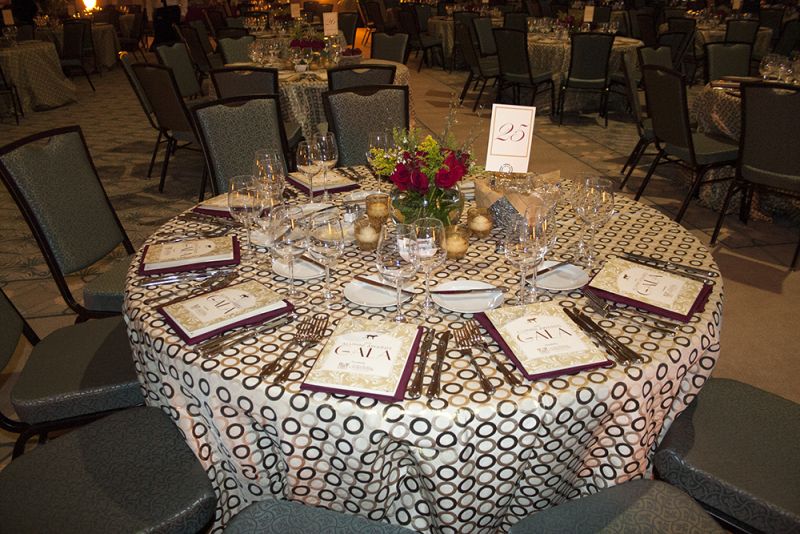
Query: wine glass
[
  {"x": 543, "y": 225},
  {"x": 379, "y": 141},
  {"x": 431, "y": 252},
  {"x": 308, "y": 164},
  {"x": 244, "y": 203},
  {"x": 289, "y": 237},
  {"x": 270, "y": 171},
  {"x": 595, "y": 206},
  {"x": 527, "y": 241},
  {"x": 395, "y": 258},
  {"x": 326, "y": 243},
  {"x": 327, "y": 154}
]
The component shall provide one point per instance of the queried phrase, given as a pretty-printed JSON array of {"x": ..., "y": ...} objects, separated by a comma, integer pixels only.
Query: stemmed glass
[
  {"x": 289, "y": 241},
  {"x": 395, "y": 258},
  {"x": 379, "y": 141},
  {"x": 308, "y": 164},
  {"x": 595, "y": 206},
  {"x": 431, "y": 253},
  {"x": 326, "y": 243},
  {"x": 327, "y": 154},
  {"x": 244, "y": 203},
  {"x": 270, "y": 171},
  {"x": 527, "y": 241}
]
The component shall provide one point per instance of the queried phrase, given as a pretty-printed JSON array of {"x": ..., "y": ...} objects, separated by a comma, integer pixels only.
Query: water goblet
[
  {"x": 327, "y": 154},
  {"x": 395, "y": 259},
  {"x": 289, "y": 238},
  {"x": 308, "y": 164},
  {"x": 326, "y": 243},
  {"x": 270, "y": 171},
  {"x": 244, "y": 204},
  {"x": 595, "y": 206},
  {"x": 431, "y": 253}
]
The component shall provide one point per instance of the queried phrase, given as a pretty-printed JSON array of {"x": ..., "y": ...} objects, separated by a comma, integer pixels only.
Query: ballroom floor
[{"x": 759, "y": 288}]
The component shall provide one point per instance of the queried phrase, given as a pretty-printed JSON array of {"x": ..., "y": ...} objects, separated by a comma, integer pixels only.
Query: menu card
[
  {"x": 330, "y": 24},
  {"x": 588, "y": 14},
  {"x": 367, "y": 359},
  {"x": 542, "y": 340},
  {"x": 510, "y": 138},
  {"x": 189, "y": 255},
  {"x": 655, "y": 290},
  {"x": 204, "y": 316},
  {"x": 8, "y": 17},
  {"x": 294, "y": 10},
  {"x": 337, "y": 182},
  {"x": 216, "y": 206}
]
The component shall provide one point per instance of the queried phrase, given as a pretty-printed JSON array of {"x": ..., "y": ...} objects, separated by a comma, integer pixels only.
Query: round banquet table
[
  {"x": 717, "y": 34},
  {"x": 33, "y": 66},
  {"x": 104, "y": 38},
  {"x": 466, "y": 462},
  {"x": 444, "y": 29}
]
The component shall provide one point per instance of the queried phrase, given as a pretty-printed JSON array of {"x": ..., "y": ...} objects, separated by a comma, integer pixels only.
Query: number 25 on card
[{"x": 510, "y": 138}]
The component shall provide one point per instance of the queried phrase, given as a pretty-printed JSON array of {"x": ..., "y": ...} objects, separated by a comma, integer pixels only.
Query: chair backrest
[
  {"x": 230, "y": 82},
  {"x": 196, "y": 52},
  {"x": 633, "y": 74},
  {"x": 389, "y": 47},
  {"x": 772, "y": 18},
  {"x": 360, "y": 75},
  {"x": 741, "y": 31},
  {"x": 769, "y": 147},
  {"x": 230, "y": 33},
  {"x": 162, "y": 91},
  {"x": 727, "y": 59},
  {"x": 647, "y": 29},
  {"x": 512, "y": 52},
  {"x": 12, "y": 326},
  {"x": 235, "y": 50},
  {"x": 375, "y": 16},
  {"x": 665, "y": 94},
  {"x": 677, "y": 43},
  {"x": 52, "y": 179},
  {"x": 348, "y": 23},
  {"x": 176, "y": 57},
  {"x": 655, "y": 55},
  {"x": 483, "y": 31},
  {"x": 125, "y": 60},
  {"x": 137, "y": 26},
  {"x": 533, "y": 8},
  {"x": 516, "y": 21},
  {"x": 682, "y": 24},
  {"x": 202, "y": 35},
  {"x": 214, "y": 19},
  {"x": 25, "y": 32},
  {"x": 423, "y": 12},
  {"x": 589, "y": 57},
  {"x": 602, "y": 14},
  {"x": 408, "y": 23},
  {"x": 465, "y": 18},
  {"x": 231, "y": 130},
  {"x": 164, "y": 19},
  {"x": 72, "y": 40},
  {"x": 353, "y": 113},
  {"x": 789, "y": 39}
]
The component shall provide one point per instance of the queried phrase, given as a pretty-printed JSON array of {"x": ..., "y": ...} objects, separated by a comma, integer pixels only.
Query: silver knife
[
  {"x": 499, "y": 289},
  {"x": 415, "y": 391},
  {"x": 441, "y": 350},
  {"x": 549, "y": 269},
  {"x": 681, "y": 270},
  {"x": 375, "y": 283},
  {"x": 621, "y": 351}
]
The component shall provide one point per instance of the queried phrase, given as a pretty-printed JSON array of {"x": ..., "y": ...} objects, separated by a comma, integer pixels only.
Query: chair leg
[
  {"x": 794, "y": 259},
  {"x": 649, "y": 174},
  {"x": 604, "y": 102},
  {"x": 735, "y": 185},
  {"x": 478, "y": 98},
  {"x": 165, "y": 165},
  {"x": 421, "y": 61},
  {"x": 153, "y": 158},
  {"x": 203, "y": 181},
  {"x": 561, "y": 105},
  {"x": 85, "y": 73},
  {"x": 533, "y": 96},
  {"x": 465, "y": 88},
  {"x": 552, "y": 98},
  {"x": 698, "y": 178},
  {"x": 747, "y": 204},
  {"x": 631, "y": 158}
]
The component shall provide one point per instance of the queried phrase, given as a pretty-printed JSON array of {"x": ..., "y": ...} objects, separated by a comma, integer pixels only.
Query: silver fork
[
  {"x": 606, "y": 309},
  {"x": 464, "y": 344},
  {"x": 318, "y": 325},
  {"x": 302, "y": 331},
  {"x": 474, "y": 334}
]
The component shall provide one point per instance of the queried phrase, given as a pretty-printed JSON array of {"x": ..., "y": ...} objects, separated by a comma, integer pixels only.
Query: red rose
[
  {"x": 453, "y": 170},
  {"x": 406, "y": 177}
]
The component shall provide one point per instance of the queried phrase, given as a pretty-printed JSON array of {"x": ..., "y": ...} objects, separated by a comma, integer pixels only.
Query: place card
[
  {"x": 665, "y": 293},
  {"x": 541, "y": 340},
  {"x": 336, "y": 182},
  {"x": 510, "y": 138},
  {"x": 216, "y": 206},
  {"x": 203, "y": 316},
  {"x": 588, "y": 14},
  {"x": 330, "y": 24},
  {"x": 737, "y": 5},
  {"x": 8, "y": 17},
  {"x": 294, "y": 10},
  {"x": 189, "y": 255},
  {"x": 367, "y": 359}
]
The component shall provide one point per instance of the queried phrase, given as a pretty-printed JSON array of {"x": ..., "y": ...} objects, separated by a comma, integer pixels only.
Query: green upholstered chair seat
[
  {"x": 287, "y": 517},
  {"x": 594, "y": 84},
  {"x": 489, "y": 66},
  {"x": 787, "y": 182},
  {"x": 537, "y": 77},
  {"x": 428, "y": 41},
  {"x": 735, "y": 449},
  {"x": 105, "y": 293},
  {"x": 78, "y": 370},
  {"x": 645, "y": 506},
  {"x": 129, "y": 472},
  {"x": 707, "y": 150}
]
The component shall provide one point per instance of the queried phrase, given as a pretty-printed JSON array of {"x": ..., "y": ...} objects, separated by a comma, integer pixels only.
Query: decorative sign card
[
  {"x": 542, "y": 340},
  {"x": 366, "y": 358},
  {"x": 330, "y": 24},
  {"x": 8, "y": 17},
  {"x": 217, "y": 206},
  {"x": 294, "y": 10},
  {"x": 668, "y": 294},
  {"x": 189, "y": 255},
  {"x": 201, "y": 317},
  {"x": 588, "y": 14},
  {"x": 510, "y": 137},
  {"x": 336, "y": 182}
]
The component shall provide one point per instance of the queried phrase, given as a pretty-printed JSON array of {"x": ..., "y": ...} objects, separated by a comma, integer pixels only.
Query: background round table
[
  {"x": 466, "y": 462},
  {"x": 104, "y": 38},
  {"x": 716, "y": 34},
  {"x": 34, "y": 67},
  {"x": 444, "y": 29}
]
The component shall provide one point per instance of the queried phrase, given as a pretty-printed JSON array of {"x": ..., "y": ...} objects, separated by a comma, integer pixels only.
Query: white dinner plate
[
  {"x": 303, "y": 270},
  {"x": 374, "y": 297},
  {"x": 565, "y": 278},
  {"x": 470, "y": 302},
  {"x": 359, "y": 196},
  {"x": 314, "y": 207}
]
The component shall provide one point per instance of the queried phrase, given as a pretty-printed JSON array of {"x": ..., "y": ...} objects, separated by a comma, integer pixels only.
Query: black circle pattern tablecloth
[{"x": 464, "y": 463}]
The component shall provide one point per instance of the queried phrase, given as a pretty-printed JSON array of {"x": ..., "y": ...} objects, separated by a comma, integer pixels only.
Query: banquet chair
[
  {"x": 423, "y": 14},
  {"x": 789, "y": 39},
  {"x": 353, "y": 113},
  {"x": 365, "y": 21},
  {"x": 10, "y": 90},
  {"x": 375, "y": 17},
  {"x": 88, "y": 49},
  {"x": 164, "y": 21},
  {"x": 772, "y": 18},
  {"x": 56, "y": 187},
  {"x": 176, "y": 58},
  {"x": 274, "y": 516},
  {"x": 348, "y": 24},
  {"x": 215, "y": 21},
  {"x": 660, "y": 55},
  {"x": 678, "y": 43},
  {"x": 358, "y": 75},
  {"x": 516, "y": 21},
  {"x": 132, "y": 42},
  {"x": 162, "y": 91},
  {"x": 72, "y": 49},
  {"x": 515, "y": 67},
  {"x": 481, "y": 69},
  {"x": 635, "y": 506},
  {"x": 417, "y": 40},
  {"x": 691, "y": 60},
  {"x": 665, "y": 94},
  {"x": 485, "y": 36},
  {"x": 602, "y": 15},
  {"x": 74, "y": 375},
  {"x": 235, "y": 50},
  {"x": 769, "y": 148},
  {"x": 232, "y": 129},
  {"x": 389, "y": 47},
  {"x": 465, "y": 18},
  {"x": 202, "y": 35},
  {"x": 726, "y": 59},
  {"x": 644, "y": 126},
  {"x": 734, "y": 450},
  {"x": 646, "y": 25},
  {"x": 203, "y": 62},
  {"x": 588, "y": 69},
  {"x": 129, "y": 472},
  {"x": 741, "y": 31}
]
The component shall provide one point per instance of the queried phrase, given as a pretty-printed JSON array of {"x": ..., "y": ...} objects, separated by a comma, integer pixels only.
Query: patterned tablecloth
[
  {"x": 466, "y": 462},
  {"x": 444, "y": 29},
  {"x": 104, "y": 38},
  {"x": 33, "y": 66}
]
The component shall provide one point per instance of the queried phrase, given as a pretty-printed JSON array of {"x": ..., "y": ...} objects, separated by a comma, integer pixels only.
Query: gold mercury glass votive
[
  {"x": 378, "y": 208},
  {"x": 367, "y": 233},
  {"x": 479, "y": 222},
  {"x": 456, "y": 242}
]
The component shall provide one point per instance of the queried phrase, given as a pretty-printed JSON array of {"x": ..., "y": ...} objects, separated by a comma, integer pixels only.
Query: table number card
[
  {"x": 294, "y": 10},
  {"x": 330, "y": 24},
  {"x": 366, "y": 358},
  {"x": 542, "y": 340},
  {"x": 668, "y": 294},
  {"x": 198, "y": 318},
  {"x": 588, "y": 14},
  {"x": 737, "y": 5},
  {"x": 190, "y": 254},
  {"x": 8, "y": 17},
  {"x": 510, "y": 137}
]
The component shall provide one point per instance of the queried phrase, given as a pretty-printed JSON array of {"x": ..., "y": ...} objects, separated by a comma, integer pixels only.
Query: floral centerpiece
[{"x": 303, "y": 35}]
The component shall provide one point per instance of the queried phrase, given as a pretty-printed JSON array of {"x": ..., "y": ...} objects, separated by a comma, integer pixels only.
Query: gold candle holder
[
  {"x": 366, "y": 233},
  {"x": 456, "y": 242},
  {"x": 479, "y": 222},
  {"x": 378, "y": 208}
]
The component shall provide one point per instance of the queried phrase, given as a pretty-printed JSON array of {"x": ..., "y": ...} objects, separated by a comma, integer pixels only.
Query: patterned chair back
[
  {"x": 360, "y": 75},
  {"x": 161, "y": 89},
  {"x": 389, "y": 47},
  {"x": 727, "y": 59},
  {"x": 589, "y": 57},
  {"x": 231, "y": 82},
  {"x": 176, "y": 57},
  {"x": 741, "y": 31},
  {"x": 483, "y": 31},
  {"x": 236, "y": 50}
]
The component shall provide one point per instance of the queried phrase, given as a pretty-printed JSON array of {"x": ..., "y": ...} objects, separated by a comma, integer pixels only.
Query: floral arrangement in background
[{"x": 303, "y": 35}]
